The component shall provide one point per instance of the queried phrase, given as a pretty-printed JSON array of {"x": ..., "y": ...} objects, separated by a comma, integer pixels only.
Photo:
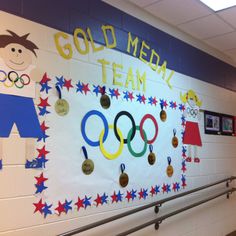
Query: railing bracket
[
  {"x": 157, "y": 225},
  {"x": 157, "y": 208}
]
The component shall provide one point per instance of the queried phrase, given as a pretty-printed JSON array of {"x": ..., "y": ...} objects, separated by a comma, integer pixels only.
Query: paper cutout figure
[
  {"x": 17, "y": 88},
  {"x": 191, "y": 135}
]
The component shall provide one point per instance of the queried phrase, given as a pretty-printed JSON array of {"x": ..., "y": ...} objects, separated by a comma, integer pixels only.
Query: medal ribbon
[
  {"x": 85, "y": 152},
  {"x": 59, "y": 91}
]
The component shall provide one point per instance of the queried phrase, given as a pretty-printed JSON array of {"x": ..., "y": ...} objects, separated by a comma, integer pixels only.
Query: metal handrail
[
  {"x": 159, "y": 220},
  {"x": 138, "y": 209}
]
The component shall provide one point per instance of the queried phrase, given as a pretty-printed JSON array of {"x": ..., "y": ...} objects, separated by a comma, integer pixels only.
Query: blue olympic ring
[{"x": 90, "y": 113}]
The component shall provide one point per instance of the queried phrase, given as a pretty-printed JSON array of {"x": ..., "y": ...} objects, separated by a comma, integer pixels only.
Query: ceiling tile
[
  {"x": 223, "y": 42},
  {"x": 178, "y": 11},
  {"x": 229, "y": 15},
  {"x": 206, "y": 27},
  {"x": 143, "y": 3}
]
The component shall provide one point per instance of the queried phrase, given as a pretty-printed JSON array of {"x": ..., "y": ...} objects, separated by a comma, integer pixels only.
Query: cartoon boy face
[
  {"x": 16, "y": 56},
  {"x": 17, "y": 51}
]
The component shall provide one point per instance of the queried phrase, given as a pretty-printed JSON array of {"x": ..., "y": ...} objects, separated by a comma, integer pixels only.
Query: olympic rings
[
  {"x": 104, "y": 133},
  {"x": 192, "y": 112},
  {"x": 121, "y": 113},
  {"x": 90, "y": 113},
  {"x": 104, "y": 152},
  {"x": 149, "y": 116},
  {"x": 14, "y": 79},
  {"x": 137, "y": 154}
]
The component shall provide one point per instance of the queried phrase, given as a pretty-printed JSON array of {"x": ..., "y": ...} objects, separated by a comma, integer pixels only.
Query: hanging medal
[
  {"x": 175, "y": 140},
  {"x": 151, "y": 156},
  {"x": 61, "y": 105},
  {"x": 88, "y": 165},
  {"x": 163, "y": 114},
  {"x": 104, "y": 100},
  {"x": 169, "y": 169},
  {"x": 124, "y": 178}
]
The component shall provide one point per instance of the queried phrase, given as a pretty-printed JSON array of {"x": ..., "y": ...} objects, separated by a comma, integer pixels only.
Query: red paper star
[
  {"x": 116, "y": 93},
  {"x": 42, "y": 152},
  {"x": 43, "y": 102},
  {"x": 40, "y": 179},
  {"x": 140, "y": 194},
  {"x": 152, "y": 191},
  {"x": 102, "y": 90},
  {"x": 183, "y": 168},
  {"x": 165, "y": 104},
  {"x": 60, "y": 208},
  {"x": 164, "y": 188},
  {"x": 114, "y": 197},
  {"x": 154, "y": 101},
  {"x": 174, "y": 105},
  {"x": 143, "y": 99},
  {"x": 39, "y": 206},
  {"x": 131, "y": 97},
  {"x": 85, "y": 88},
  {"x": 68, "y": 84},
  {"x": 174, "y": 186},
  {"x": 44, "y": 127},
  {"x": 184, "y": 184},
  {"x": 79, "y": 203},
  {"x": 128, "y": 195},
  {"x": 45, "y": 79},
  {"x": 98, "y": 200}
]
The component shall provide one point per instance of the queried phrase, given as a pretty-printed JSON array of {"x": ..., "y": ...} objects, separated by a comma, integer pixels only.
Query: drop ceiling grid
[{"x": 194, "y": 18}]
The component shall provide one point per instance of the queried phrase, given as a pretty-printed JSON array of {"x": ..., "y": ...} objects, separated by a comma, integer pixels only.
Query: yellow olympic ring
[
  {"x": 111, "y": 156},
  {"x": 7, "y": 85}
]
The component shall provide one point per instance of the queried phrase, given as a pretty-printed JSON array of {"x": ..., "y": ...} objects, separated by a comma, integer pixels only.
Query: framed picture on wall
[
  {"x": 227, "y": 124},
  {"x": 212, "y": 122}
]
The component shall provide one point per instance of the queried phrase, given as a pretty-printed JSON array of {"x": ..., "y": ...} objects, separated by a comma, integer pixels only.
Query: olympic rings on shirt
[
  {"x": 12, "y": 78},
  {"x": 104, "y": 133}
]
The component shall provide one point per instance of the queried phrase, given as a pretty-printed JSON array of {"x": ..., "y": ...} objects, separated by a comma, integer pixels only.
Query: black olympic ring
[{"x": 126, "y": 113}]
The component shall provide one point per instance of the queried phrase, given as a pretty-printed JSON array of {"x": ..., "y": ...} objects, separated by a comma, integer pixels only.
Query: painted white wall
[{"x": 218, "y": 160}]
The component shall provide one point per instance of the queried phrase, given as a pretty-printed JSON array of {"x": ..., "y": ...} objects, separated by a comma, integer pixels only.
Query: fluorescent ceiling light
[{"x": 217, "y": 5}]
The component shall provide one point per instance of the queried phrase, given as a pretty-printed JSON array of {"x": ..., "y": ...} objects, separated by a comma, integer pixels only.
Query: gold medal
[
  {"x": 62, "y": 107},
  {"x": 151, "y": 156},
  {"x": 87, "y": 165},
  {"x": 163, "y": 115},
  {"x": 104, "y": 100},
  {"x": 169, "y": 169},
  {"x": 124, "y": 178},
  {"x": 175, "y": 140}
]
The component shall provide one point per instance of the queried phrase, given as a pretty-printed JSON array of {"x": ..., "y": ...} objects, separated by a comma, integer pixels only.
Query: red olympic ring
[{"x": 149, "y": 116}]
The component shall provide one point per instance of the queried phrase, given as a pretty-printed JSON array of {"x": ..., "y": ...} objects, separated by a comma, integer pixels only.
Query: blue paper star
[
  {"x": 126, "y": 95},
  {"x": 168, "y": 188},
  {"x": 60, "y": 82},
  {"x": 150, "y": 100},
  {"x": 112, "y": 92},
  {"x": 96, "y": 89},
  {"x": 42, "y": 161},
  {"x": 67, "y": 206},
  {"x": 43, "y": 111},
  {"x": 46, "y": 210},
  {"x": 184, "y": 149},
  {"x": 145, "y": 194},
  {"x": 0, "y": 164},
  {"x": 183, "y": 118},
  {"x": 45, "y": 87},
  {"x": 181, "y": 107},
  {"x": 87, "y": 202},
  {"x": 79, "y": 87},
  {"x": 183, "y": 178},
  {"x": 104, "y": 198},
  {"x": 119, "y": 196},
  {"x": 43, "y": 137},
  {"x": 40, "y": 188},
  {"x": 157, "y": 189},
  {"x": 177, "y": 186},
  {"x": 133, "y": 194},
  {"x": 172, "y": 105},
  {"x": 139, "y": 98}
]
